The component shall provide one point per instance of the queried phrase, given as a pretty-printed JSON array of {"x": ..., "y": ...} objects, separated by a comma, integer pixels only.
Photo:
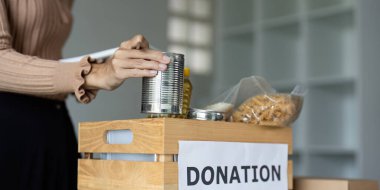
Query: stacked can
[{"x": 163, "y": 93}]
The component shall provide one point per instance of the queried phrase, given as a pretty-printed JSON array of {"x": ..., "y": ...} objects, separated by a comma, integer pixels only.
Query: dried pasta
[{"x": 269, "y": 109}]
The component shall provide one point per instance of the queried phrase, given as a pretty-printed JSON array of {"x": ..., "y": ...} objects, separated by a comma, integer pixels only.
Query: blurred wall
[
  {"x": 370, "y": 43},
  {"x": 99, "y": 25}
]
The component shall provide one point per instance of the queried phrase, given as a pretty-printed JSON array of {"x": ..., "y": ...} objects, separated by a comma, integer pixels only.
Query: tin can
[
  {"x": 200, "y": 114},
  {"x": 163, "y": 93}
]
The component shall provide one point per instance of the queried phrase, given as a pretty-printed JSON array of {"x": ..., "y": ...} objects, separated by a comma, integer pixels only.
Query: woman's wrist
[
  {"x": 91, "y": 82},
  {"x": 100, "y": 78},
  {"x": 95, "y": 80}
]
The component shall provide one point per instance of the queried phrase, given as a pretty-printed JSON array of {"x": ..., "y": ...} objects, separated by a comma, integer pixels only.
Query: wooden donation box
[{"x": 159, "y": 137}]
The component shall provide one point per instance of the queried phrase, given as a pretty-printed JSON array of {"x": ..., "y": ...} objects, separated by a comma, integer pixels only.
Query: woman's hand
[{"x": 132, "y": 59}]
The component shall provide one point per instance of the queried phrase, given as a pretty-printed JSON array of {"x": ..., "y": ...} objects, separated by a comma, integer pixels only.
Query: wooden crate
[
  {"x": 306, "y": 183},
  {"x": 159, "y": 136}
]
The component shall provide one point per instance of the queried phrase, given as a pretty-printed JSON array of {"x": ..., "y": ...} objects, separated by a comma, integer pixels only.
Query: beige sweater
[{"x": 32, "y": 35}]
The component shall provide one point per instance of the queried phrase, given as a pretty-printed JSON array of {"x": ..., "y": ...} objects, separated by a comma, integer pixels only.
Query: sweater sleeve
[{"x": 34, "y": 76}]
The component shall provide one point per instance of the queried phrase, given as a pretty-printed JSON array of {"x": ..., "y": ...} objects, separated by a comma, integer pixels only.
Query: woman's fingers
[
  {"x": 137, "y": 42},
  {"x": 135, "y": 73},
  {"x": 141, "y": 45},
  {"x": 138, "y": 64},
  {"x": 138, "y": 48},
  {"x": 142, "y": 54}
]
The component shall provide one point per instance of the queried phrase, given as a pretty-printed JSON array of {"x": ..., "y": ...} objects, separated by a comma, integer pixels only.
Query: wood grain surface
[
  {"x": 161, "y": 135},
  {"x": 121, "y": 175}
]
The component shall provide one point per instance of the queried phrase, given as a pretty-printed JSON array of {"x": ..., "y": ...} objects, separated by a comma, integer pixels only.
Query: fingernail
[
  {"x": 153, "y": 72},
  {"x": 162, "y": 67},
  {"x": 166, "y": 59}
]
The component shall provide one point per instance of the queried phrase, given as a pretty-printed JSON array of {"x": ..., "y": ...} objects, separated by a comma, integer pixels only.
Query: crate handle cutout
[
  {"x": 141, "y": 136},
  {"x": 124, "y": 136}
]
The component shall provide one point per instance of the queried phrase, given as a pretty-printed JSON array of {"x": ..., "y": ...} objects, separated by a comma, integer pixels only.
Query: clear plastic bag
[
  {"x": 247, "y": 87},
  {"x": 269, "y": 109},
  {"x": 253, "y": 100},
  {"x": 224, "y": 102}
]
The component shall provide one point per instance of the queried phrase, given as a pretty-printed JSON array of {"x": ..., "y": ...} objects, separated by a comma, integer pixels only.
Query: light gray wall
[
  {"x": 370, "y": 56},
  {"x": 103, "y": 24}
]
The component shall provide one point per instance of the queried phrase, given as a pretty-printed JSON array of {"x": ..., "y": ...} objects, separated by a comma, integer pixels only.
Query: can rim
[{"x": 175, "y": 56}]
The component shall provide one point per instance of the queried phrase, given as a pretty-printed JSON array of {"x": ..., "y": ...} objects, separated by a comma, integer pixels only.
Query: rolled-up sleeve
[{"x": 34, "y": 76}]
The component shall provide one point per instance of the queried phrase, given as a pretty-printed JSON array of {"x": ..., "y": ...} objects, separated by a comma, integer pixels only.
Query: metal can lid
[
  {"x": 200, "y": 114},
  {"x": 175, "y": 57}
]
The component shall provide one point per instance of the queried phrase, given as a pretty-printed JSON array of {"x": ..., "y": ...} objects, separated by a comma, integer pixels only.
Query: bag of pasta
[
  {"x": 247, "y": 87},
  {"x": 269, "y": 107}
]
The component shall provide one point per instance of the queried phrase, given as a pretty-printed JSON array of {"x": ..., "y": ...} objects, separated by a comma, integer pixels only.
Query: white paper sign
[{"x": 206, "y": 165}]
